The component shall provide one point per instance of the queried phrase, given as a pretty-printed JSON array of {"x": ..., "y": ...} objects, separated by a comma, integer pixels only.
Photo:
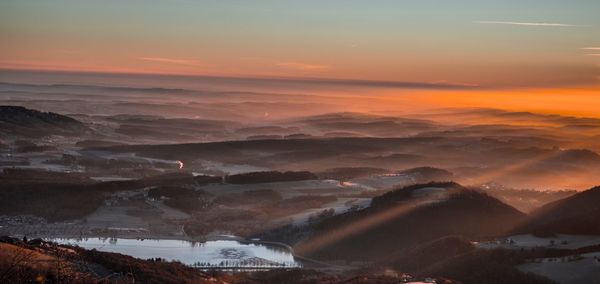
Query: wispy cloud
[
  {"x": 591, "y": 48},
  {"x": 171, "y": 61},
  {"x": 69, "y": 51},
  {"x": 302, "y": 66},
  {"x": 532, "y": 24},
  {"x": 285, "y": 64},
  {"x": 451, "y": 83},
  {"x": 598, "y": 54},
  {"x": 441, "y": 85}
]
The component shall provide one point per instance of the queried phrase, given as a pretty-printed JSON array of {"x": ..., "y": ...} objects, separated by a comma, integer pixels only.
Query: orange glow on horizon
[{"x": 568, "y": 101}]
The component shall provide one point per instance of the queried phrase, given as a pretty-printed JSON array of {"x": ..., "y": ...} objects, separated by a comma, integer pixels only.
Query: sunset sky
[{"x": 531, "y": 44}]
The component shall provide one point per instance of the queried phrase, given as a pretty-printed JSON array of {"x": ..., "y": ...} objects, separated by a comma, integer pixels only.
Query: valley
[{"x": 323, "y": 195}]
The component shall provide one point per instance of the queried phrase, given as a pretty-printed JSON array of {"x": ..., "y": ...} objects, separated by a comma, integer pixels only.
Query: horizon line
[{"x": 441, "y": 85}]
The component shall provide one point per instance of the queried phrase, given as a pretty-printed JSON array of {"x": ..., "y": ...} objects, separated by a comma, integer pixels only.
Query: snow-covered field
[
  {"x": 564, "y": 271},
  {"x": 384, "y": 181},
  {"x": 339, "y": 206},
  {"x": 560, "y": 241}
]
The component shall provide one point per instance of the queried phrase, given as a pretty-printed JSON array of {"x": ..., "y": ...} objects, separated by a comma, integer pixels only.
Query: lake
[{"x": 218, "y": 253}]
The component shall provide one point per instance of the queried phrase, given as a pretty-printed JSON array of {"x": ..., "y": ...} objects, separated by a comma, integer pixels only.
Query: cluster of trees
[
  {"x": 288, "y": 234},
  {"x": 69, "y": 196},
  {"x": 29, "y": 176},
  {"x": 428, "y": 174},
  {"x": 269, "y": 176},
  {"x": 321, "y": 215},
  {"x": 185, "y": 199},
  {"x": 261, "y": 198},
  {"x": 306, "y": 201},
  {"x": 251, "y": 263},
  {"x": 54, "y": 202},
  {"x": 142, "y": 271},
  {"x": 36, "y": 149},
  {"x": 343, "y": 174}
]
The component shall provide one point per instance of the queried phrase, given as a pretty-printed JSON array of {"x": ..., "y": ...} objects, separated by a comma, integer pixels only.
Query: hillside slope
[
  {"x": 20, "y": 121},
  {"x": 578, "y": 214},
  {"x": 408, "y": 217}
]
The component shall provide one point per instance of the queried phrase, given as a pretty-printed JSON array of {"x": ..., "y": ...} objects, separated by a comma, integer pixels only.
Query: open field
[{"x": 583, "y": 268}]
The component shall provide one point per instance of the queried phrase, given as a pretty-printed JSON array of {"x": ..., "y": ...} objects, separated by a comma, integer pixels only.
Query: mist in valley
[{"x": 279, "y": 177}]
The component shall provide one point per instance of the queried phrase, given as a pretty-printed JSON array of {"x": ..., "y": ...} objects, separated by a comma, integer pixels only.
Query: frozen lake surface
[{"x": 218, "y": 253}]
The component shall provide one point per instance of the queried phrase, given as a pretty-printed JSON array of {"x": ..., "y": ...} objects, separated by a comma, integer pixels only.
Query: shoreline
[
  {"x": 302, "y": 260},
  {"x": 157, "y": 237}
]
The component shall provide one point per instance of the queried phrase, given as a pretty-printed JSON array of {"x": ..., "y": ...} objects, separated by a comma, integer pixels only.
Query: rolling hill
[
  {"x": 578, "y": 214},
  {"x": 408, "y": 217},
  {"x": 20, "y": 121}
]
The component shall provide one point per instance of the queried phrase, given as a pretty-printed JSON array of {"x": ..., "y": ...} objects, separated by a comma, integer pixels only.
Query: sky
[
  {"x": 468, "y": 42},
  {"x": 535, "y": 44}
]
